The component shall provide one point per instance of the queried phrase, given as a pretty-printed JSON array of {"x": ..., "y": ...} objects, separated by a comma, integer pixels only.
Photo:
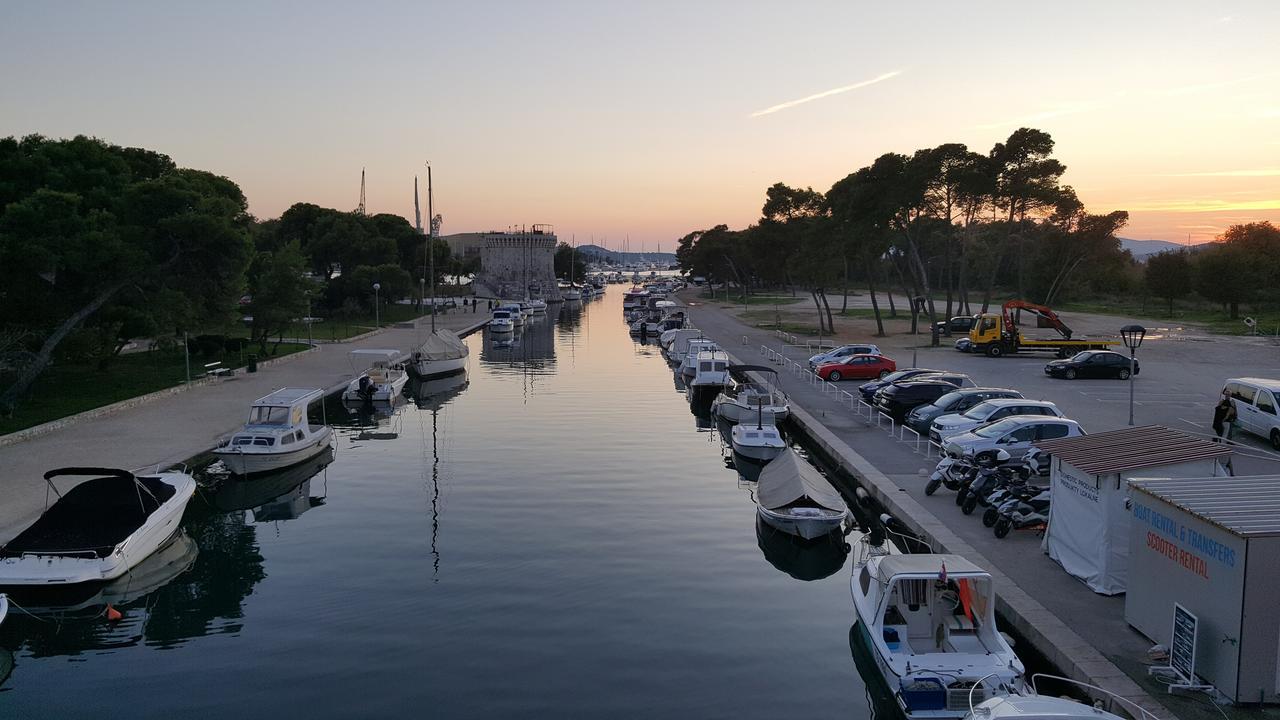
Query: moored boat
[
  {"x": 384, "y": 379},
  {"x": 97, "y": 530},
  {"x": 757, "y": 441},
  {"x": 277, "y": 434},
  {"x": 792, "y": 496},
  {"x": 930, "y": 623},
  {"x": 443, "y": 353},
  {"x": 741, "y": 400}
]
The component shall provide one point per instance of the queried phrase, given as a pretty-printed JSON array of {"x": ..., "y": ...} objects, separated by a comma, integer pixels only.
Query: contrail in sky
[{"x": 825, "y": 93}]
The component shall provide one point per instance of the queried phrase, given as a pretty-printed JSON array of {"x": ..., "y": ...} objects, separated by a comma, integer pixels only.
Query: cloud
[
  {"x": 1200, "y": 87},
  {"x": 825, "y": 94},
  {"x": 1225, "y": 19},
  {"x": 1194, "y": 206},
  {"x": 1065, "y": 109},
  {"x": 1261, "y": 172}
]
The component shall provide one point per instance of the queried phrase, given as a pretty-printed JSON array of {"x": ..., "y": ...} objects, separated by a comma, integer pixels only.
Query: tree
[
  {"x": 99, "y": 224},
  {"x": 568, "y": 263},
  {"x": 1225, "y": 273},
  {"x": 278, "y": 289},
  {"x": 1169, "y": 275},
  {"x": 1026, "y": 181}
]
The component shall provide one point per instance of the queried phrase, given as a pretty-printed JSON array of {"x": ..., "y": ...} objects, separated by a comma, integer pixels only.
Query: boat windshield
[{"x": 262, "y": 415}]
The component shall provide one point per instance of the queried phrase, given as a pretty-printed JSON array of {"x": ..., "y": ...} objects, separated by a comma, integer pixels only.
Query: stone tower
[{"x": 509, "y": 259}]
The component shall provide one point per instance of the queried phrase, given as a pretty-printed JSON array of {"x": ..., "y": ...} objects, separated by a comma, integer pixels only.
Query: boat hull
[
  {"x": 736, "y": 413},
  {"x": 252, "y": 463},
  {"x": 809, "y": 527},
  {"x": 56, "y": 570},
  {"x": 757, "y": 453},
  {"x": 384, "y": 393},
  {"x": 436, "y": 368}
]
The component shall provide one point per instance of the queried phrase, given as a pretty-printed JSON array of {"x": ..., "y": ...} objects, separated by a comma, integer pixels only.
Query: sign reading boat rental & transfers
[{"x": 1194, "y": 551}]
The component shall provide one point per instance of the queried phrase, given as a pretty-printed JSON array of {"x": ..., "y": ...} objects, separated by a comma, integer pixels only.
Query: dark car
[
  {"x": 1092, "y": 364},
  {"x": 957, "y": 324},
  {"x": 954, "y": 402},
  {"x": 901, "y": 398},
  {"x": 869, "y": 389}
]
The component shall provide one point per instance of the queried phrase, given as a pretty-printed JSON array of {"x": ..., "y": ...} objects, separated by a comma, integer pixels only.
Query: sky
[{"x": 648, "y": 120}]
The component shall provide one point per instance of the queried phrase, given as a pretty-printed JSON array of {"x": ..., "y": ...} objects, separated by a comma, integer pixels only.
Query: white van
[{"x": 1256, "y": 406}]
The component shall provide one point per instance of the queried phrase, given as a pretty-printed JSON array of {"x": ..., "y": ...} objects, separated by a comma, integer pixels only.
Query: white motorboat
[
  {"x": 501, "y": 322},
  {"x": 538, "y": 306},
  {"x": 792, "y": 496},
  {"x": 571, "y": 294},
  {"x": 711, "y": 372},
  {"x": 443, "y": 353},
  {"x": 277, "y": 434},
  {"x": 513, "y": 309},
  {"x": 634, "y": 299},
  {"x": 384, "y": 379},
  {"x": 929, "y": 621},
  {"x": 759, "y": 441},
  {"x": 99, "y": 529},
  {"x": 1029, "y": 704},
  {"x": 526, "y": 308},
  {"x": 740, "y": 401},
  {"x": 689, "y": 362},
  {"x": 677, "y": 341}
]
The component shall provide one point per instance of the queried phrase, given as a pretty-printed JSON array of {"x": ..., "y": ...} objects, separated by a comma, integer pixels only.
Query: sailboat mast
[
  {"x": 431, "y": 245},
  {"x": 417, "y": 224}
]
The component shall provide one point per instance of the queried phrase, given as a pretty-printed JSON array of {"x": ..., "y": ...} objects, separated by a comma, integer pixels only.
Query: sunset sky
[{"x": 651, "y": 119}]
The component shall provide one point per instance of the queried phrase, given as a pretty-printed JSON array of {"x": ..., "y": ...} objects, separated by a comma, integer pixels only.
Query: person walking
[{"x": 1224, "y": 416}]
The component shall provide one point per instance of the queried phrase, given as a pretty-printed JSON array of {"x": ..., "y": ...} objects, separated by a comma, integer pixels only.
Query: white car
[
  {"x": 988, "y": 411},
  {"x": 1014, "y": 435},
  {"x": 842, "y": 352},
  {"x": 1257, "y": 401}
]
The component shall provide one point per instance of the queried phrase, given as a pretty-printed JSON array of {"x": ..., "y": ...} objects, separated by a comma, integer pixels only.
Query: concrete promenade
[
  {"x": 173, "y": 428},
  {"x": 1080, "y": 632}
]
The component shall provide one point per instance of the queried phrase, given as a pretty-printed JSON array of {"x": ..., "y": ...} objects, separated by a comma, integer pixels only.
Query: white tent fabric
[
  {"x": 443, "y": 345},
  {"x": 788, "y": 478},
  {"x": 1088, "y": 532}
]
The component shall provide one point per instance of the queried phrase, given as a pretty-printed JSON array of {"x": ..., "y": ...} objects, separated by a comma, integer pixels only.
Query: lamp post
[
  {"x": 1132, "y": 336},
  {"x": 377, "y": 318}
]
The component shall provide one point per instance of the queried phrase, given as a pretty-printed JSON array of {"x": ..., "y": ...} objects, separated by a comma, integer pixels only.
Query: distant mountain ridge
[
  {"x": 625, "y": 258},
  {"x": 1144, "y": 248}
]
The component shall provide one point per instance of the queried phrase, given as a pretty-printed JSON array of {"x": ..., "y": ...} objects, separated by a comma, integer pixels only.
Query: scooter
[
  {"x": 1024, "y": 513},
  {"x": 991, "y": 468},
  {"x": 952, "y": 472}
]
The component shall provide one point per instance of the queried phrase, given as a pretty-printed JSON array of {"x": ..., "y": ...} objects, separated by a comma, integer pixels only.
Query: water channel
[{"x": 553, "y": 535}]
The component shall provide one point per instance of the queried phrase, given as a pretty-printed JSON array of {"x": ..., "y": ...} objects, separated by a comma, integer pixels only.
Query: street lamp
[
  {"x": 377, "y": 322},
  {"x": 1132, "y": 336}
]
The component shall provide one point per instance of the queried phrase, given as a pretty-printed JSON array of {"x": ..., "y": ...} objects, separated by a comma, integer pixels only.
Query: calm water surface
[{"x": 552, "y": 536}]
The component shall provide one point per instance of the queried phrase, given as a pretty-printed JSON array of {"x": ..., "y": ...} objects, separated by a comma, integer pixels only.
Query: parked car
[
  {"x": 868, "y": 390},
  {"x": 1256, "y": 401},
  {"x": 900, "y": 398},
  {"x": 1092, "y": 364},
  {"x": 954, "y": 403},
  {"x": 1014, "y": 435},
  {"x": 842, "y": 352},
  {"x": 957, "y": 324},
  {"x": 988, "y": 411},
  {"x": 964, "y": 344},
  {"x": 861, "y": 367}
]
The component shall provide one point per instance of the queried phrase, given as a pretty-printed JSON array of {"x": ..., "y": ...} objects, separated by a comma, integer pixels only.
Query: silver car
[
  {"x": 842, "y": 352},
  {"x": 988, "y": 411},
  {"x": 1013, "y": 434}
]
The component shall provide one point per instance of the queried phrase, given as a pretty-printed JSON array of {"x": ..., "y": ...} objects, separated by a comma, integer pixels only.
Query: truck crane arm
[{"x": 1044, "y": 312}]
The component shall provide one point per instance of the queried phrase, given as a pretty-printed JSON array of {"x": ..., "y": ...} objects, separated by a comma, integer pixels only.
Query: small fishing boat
[
  {"x": 443, "y": 353},
  {"x": 757, "y": 442},
  {"x": 501, "y": 322},
  {"x": 711, "y": 373},
  {"x": 741, "y": 400},
  {"x": 277, "y": 434},
  {"x": 689, "y": 361},
  {"x": 538, "y": 306},
  {"x": 516, "y": 314},
  {"x": 99, "y": 529},
  {"x": 929, "y": 621},
  {"x": 384, "y": 379},
  {"x": 792, "y": 496},
  {"x": 634, "y": 299}
]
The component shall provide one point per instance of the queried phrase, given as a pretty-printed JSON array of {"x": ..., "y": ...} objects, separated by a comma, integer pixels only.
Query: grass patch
[
  {"x": 1214, "y": 319},
  {"x": 70, "y": 388},
  {"x": 341, "y": 328},
  {"x": 766, "y": 300}
]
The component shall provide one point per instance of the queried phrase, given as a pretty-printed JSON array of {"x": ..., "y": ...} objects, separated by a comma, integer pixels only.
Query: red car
[{"x": 861, "y": 367}]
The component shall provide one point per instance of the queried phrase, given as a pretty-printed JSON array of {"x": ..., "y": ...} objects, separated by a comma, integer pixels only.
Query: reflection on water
[
  {"x": 544, "y": 536},
  {"x": 802, "y": 559}
]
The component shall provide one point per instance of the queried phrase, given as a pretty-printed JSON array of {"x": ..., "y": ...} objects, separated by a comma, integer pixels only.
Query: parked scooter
[
  {"x": 1025, "y": 512},
  {"x": 954, "y": 473}
]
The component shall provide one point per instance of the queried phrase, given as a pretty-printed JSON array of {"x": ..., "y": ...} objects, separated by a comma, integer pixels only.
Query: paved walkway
[
  {"x": 174, "y": 428},
  {"x": 1078, "y": 630}
]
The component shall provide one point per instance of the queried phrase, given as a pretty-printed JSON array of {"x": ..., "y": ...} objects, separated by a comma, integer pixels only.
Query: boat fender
[
  {"x": 113, "y": 615},
  {"x": 863, "y": 498}
]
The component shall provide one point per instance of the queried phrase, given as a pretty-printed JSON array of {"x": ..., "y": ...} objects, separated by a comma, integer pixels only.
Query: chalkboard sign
[{"x": 1182, "y": 650}]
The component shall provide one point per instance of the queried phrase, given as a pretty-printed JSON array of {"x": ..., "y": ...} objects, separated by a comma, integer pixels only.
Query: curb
[{"x": 55, "y": 425}]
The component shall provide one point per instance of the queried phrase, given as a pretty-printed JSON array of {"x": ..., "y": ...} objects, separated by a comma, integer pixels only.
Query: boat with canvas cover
[
  {"x": 443, "y": 353},
  {"x": 741, "y": 400},
  {"x": 792, "y": 496},
  {"x": 277, "y": 434},
  {"x": 384, "y": 379},
  {"x": 929, "y": 621},
  {"x": 99, "y": 529}
]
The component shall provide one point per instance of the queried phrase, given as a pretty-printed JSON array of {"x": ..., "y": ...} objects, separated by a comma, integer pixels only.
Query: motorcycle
[{"x": 1029, "y": 511}]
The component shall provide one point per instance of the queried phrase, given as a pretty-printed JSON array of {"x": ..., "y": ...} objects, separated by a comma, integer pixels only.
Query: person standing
[{"x": 1224, "y": 416}]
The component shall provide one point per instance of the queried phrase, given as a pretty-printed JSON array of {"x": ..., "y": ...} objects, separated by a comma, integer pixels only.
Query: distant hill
[
  {"x": 595, "y": 253},
  {"x": 1144, "y": 248}
]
